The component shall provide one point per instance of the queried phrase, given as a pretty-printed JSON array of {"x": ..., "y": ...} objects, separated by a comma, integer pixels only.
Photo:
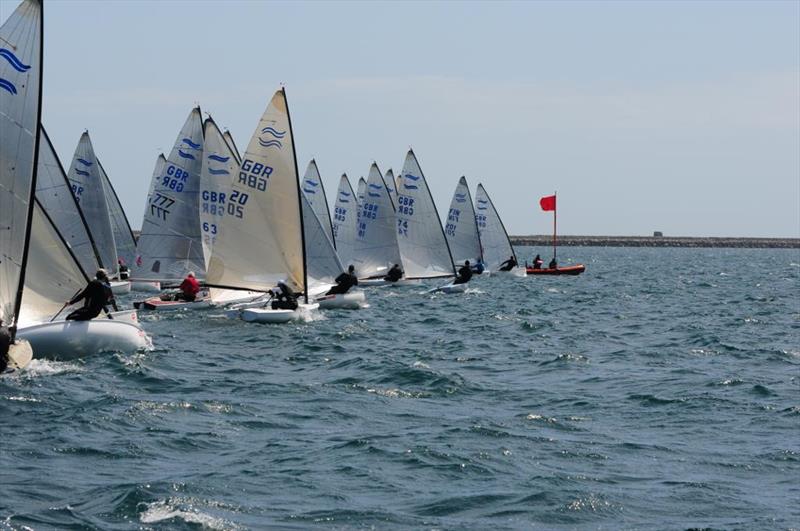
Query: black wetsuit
[
  {"x": 553, "y": 264},
  {"x": 5, "y": 345},
  {"x": 96, "y": 296},
  {"x": 394, "y": 274},
  {"x": 508, "y": 265},
  {"x": 344, "y": 282},
  {"x": 285, "y": 298},
  {"x": 464, "y": 274}
]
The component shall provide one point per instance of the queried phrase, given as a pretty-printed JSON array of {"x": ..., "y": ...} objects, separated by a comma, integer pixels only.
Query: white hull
[
  {"x": 451, "y": 288},
  {"x": 346, "y": 301},
  {"x": 67, "y": 340},
  {"x": 120, "y": 287},
  {"x": 19, "y": 356},
  {"x": 270, "y": 316},
  {"x": 150, "y": 286},
  {"x": 126, "y": 316},
  {"x": 229, "y": 297}
]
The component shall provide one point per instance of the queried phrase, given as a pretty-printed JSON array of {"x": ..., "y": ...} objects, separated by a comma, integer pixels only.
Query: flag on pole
[{"x": 548, "y": 202}]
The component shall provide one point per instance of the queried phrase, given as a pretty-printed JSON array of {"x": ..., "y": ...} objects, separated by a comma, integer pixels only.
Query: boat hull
[
  {"x": 344, "y": 301},
  {"x": 120, "y": 287},
  {"x": 66, "y": 340},
  {"x": 450, "y": 288},
  {"x": 19, "y": 356},
  {"x": 577, "y": 269}
]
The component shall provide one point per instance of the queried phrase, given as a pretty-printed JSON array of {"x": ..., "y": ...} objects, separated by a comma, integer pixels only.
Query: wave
[
  {"x": 8, "y": 85},
  {"x": 212, "y": 171},
  {"x": 188, "y": 142},
  {"x": 85, "y": 162},
  {"x": 82, "y": 172},
  {"x": 13, "y": 60},
  {"x": 219, "y": 158},
  {"x": 186, "y": 155},
  {"x": 273, "y": 132},
  {"x": 270, "y": 143}
]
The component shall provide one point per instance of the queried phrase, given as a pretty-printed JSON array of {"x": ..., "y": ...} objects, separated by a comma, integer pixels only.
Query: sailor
[
  {"x": 96, "y": 296},
  {"x": 345, "y": 281},
  {"x": 189, "y": 288},
  {"x": 553, "y": 264},
  {"x": 5, "y": 345},
  {"x": 537, "y": 262},
  {"x": 464, "y": 274},
  {"x": 124, "y": 273},
  {"x": 394, "y": 274},
  {"x": 479, "y": 267},
  {"x": 283, "y": 297},
  {"x": 509, "y": 264}
]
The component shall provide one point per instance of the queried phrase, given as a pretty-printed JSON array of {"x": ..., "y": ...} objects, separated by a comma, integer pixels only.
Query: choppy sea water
[{"x": 660, "y": 390}]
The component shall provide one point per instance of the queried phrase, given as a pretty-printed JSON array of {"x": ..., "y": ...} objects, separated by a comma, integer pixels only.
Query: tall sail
[
  {"x": 216, "y": 177},
  {"x": 87, "y": 187},
  {"x": 344, "y": 220},
  {"x": 232, "y": 145},
  {"x": 20, "y": 116},
  {"x": 376, "y": 249},
  {"x": 123, "y": 235},
  {"x": 323, "y": 262},
  {"x": 53, "y": 274},
  {"x": 423, "y": 245},
  {"x": 388, "y": 180},
  {"x": 265, "y": 244},
  {"x": 54, "y": 193},
  {"x": 170, "y": 244},
  {"x": 461, "y": 228},
  {"x": 314, "y": 191},
  {"x": 494, "y": 238}
]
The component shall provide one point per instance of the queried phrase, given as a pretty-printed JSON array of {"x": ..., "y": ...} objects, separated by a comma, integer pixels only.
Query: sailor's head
[
  {"x": 466, "y": 262},
  {"x": 191, "y": 274},
  {"x": 396, "y": 265},
  {"x": 351, "y": 268},
  {"x": 101, "y": 274}
]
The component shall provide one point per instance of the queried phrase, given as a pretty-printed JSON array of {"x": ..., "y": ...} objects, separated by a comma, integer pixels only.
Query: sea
[{"x": 659, "y": 390}]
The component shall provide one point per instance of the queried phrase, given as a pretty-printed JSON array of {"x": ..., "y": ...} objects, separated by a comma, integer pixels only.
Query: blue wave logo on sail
[
  {"x": 309, "y": 190},
  {"x": 412, "y": 177},
  {"x": 186, "y": 155},
  {"x": 13, "y": 60},
  {"x": 312, "y": 183},
  {"x": 375, "y": 186},
  {"x": 345, "y": 194},
  {"x": 188, "y": 142},
  {"x": 374, "y": 194},
  {"x": 344, "y": 200},
  {"x": 212, "y": 171},
  {"x": 410, "y": 186},
  {"x": 482, "y": 207},
  {"x": 461, "y": 198},
  {"x": 219, "y": 158},
  {"x": 8, "y": 85},
  {"x": 273, "y": 132},
  {"x": 85, "y": 162},
  {"x": 81, "y": 172},
  {"x": 270, "y": 143}
]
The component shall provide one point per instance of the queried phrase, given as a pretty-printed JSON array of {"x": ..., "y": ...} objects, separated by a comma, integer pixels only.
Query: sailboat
[
  {"x": 170, "y": 245},
  {"x": 376, "y": 249},
  {"x": 388, "y": 179},
  {"x": 495, "y": 243},
  {"x": 461, "y": 228},
  {"x": 86, "y": 179},
  {"x": 140, "y": 284},
  {"x": 20, "y": 117},
  {"x": 121, "y": 227},
  {"x": 265, "y": 245},
  {"x": 423, "y": 246},
  {"x": 548, "y": 203},
  {"x": 345, "y": 213},
  {"x": 314, "y": 191}
]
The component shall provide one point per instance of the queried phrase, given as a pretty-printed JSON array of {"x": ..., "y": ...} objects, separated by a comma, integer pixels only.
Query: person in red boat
[{"x": 189, "y": 288}]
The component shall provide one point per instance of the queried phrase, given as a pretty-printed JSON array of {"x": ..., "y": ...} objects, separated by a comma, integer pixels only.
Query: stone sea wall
[{"x": 656, "y": 241}]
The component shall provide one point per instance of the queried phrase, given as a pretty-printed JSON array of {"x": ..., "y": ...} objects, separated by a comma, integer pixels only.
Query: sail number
[
  {"x": 159, "y": 206},
  {"x": 480, "y": 219},
  {"x": 175, "y": 178},
  {"x": 219, "y": 203},
  {"x": 452, "y": 219},
  {"x": 77, "y": 191},
  {"x": 405, "y": 205},
  {"x": 255, "y": 175}
]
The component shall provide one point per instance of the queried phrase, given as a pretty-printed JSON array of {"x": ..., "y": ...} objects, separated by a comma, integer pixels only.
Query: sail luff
[
  {"x": 119, "y": 221},
  {"x": 299, "y": 200},
  {"x": 496, "y": 246},
  {"x": 461, "y": 228}
]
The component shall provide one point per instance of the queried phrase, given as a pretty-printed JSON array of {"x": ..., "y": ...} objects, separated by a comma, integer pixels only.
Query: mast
[
  {"x": 555, "y": 209},
  {"x": 299, "y": 200}
]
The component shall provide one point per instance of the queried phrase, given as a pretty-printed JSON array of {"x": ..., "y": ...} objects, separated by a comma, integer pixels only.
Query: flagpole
[{"x": 555, "y": 209}]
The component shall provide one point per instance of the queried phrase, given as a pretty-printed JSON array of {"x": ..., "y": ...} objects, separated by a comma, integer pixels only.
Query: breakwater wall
[{"x": 656, "y": 241}]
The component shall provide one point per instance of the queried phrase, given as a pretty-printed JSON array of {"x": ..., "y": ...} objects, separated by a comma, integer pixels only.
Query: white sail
[
  {"x": 423, "y": 245},
  {"x": 20, "y": 115},
  {"x": 321, "y": 258},
  {"x": 494, "y": 238},
  {"x": 388, "y": 180},
  {"x": 461, "y": 228},
  {"x": 344, "y": 220},
  {"x": 376, "y": 249},
  {"x": 170, "y": 244},
  {"x": 123, "y": 235},
  {"x": 314, "y": 191},
  {"x": 216, "y": 179},
  {"x": 232, "y": 145},
  {"x": 53, "y": 275},
  {"x": 87, "y": 187},
  {"x": 362, "y": 189},
  {"x": 265, "y": 244},
  {"x": 54, "y": 193}
]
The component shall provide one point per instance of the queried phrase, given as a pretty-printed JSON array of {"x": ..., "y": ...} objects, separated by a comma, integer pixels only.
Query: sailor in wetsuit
[
  {"x": 189, "y": 289},
  {"x": 394, "y": 274},
  {"x": 124, "y": 273},
  {"x": 553, "y": 264},
  {"x": 5, "y": 345},
  {"x": 478, "y": 268},
  {"x": 96, "y": 295},
  {"x": 283, "y": 298},
  {"x": 344, "y": 282},
  {"x": 464, "y": 274},
  {"x": 537, "y": 262},
  {"x": 509, "y": 264}
]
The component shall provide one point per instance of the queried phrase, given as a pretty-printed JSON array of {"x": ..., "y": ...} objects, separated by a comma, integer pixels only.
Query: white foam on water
[
  {"x": 161, "y": 511},
  {"x": 37, "y": 368}
]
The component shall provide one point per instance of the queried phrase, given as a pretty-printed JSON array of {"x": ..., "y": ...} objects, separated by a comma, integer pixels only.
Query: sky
[{"x": 681, "y": 117}]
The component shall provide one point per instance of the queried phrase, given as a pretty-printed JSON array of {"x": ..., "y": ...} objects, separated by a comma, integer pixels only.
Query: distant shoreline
[{"x": 656, "y": 241}]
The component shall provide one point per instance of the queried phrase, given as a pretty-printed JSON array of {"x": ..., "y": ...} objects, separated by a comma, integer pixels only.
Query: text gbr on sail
[{"x": 254, "y": 174}]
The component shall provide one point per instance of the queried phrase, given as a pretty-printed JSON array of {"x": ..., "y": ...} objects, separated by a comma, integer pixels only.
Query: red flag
[{"x": 548, "y": 202}]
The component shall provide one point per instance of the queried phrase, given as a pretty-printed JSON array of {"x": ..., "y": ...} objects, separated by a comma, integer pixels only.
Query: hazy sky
[{"x": 682, "y": 117}]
